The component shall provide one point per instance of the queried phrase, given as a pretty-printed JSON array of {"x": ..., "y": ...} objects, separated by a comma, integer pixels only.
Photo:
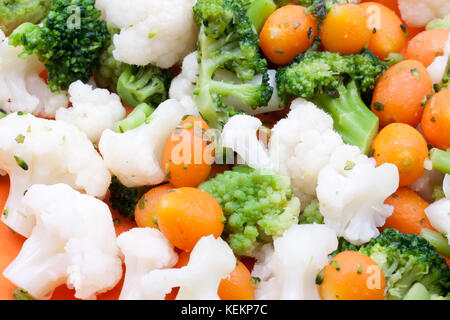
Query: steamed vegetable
[
  {"x": 345, "y": 29},
  {"x": 288, "y": 31},
  {"x": 406, "y": 259},
  {"x": 258, "y": 205},
  {"x": 336, "y": 89},
  {"x": 92, "y": 110},
  {"x": 73, "y": 243},
  {"x": 351, "y": 275},
  {"x": 69, "y": 48},
  {"x": 436, "y": 121},
  {"x": 124, "y": 199},
  {"x": 227, "y": 40},
  {"x": 185, "y": 215},
  {"x": 40, "y": 151},
  {"x": 288, "y": 269},
  {"x": 15, "y": 12}
]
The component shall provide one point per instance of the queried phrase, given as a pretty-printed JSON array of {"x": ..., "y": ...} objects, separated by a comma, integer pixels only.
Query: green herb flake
[
  {"x": 415, "y": 73},
  {"x": 279, "y": 51},
  {"x": 21, "y": 163},
  {"x": 21, "y": 294},
  {"x": 142, "y": 203},
  {"x": 349, "y": 165},
  {"x": 255, "y": 281},
  {"x": 374, "y": 30},
  {"x": 22, "y": 113},
  {"x": 360, "y": 270},
  {"x": 5, "y": 212},
  {"x": 335, "y": 264},
  {"x": 405, "y": 32},
  {"x": 394, "y": 196},
  {"x": 155, "y": 220},
  {"x": 433, "y": 119},
  {"x": 20, "y": 138},
  {"x": 378, "y": 106},
  {"x": 319, "y": 277},
  {"x": 116, "y": 222}
]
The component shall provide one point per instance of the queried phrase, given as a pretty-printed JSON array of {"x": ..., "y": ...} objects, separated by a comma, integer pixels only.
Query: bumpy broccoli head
[
  {"x": 321, "y": 72},
  {"x": 311, "y": 214},
  {"x": 228, "y": 40},
  {"x": 69, "y": 42},
  {"x": 15, "y": 12},
  {"x": 124, "y": 199},
  {"x": 148, "y": 84},
  {"x": 258, "y": 204},
  {"x": 406, "y": 259}
]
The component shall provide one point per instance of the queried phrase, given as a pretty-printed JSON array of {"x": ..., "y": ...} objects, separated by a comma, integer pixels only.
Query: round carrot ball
[
  {"x": 436, "y": 120},
  {"x": 427, "y": 45},
  {"x": 185, "y": 215},
  {"x": 287, "y": 32},
  {"x": 400, "y": 93},
  {"x": 404, "y": 146},
  {"x": 345, "y": 29},
  {"x": 351, "y": 275}
]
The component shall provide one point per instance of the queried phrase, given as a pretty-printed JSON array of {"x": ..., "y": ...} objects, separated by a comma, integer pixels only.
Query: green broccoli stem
[
  {"x": 259, "y": 11},
  {"x": 353, "y": 120},
  {"x": 437, "y": 240},
  {"x": 417, "y": 292},
  {"x": 2, "y": 114},
  {"x": 440, "y": 160},
  {"x": 136, "y": 118}
]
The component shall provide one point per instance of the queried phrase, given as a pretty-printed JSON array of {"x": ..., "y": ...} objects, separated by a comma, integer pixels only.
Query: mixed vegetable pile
[{"x": 225, "y": 149}]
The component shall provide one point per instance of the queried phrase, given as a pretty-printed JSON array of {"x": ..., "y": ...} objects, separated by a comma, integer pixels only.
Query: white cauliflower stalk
[
  {"x": 351, "y": 191},
  {"x": 288, "y": 270},
  {"x": 73, "y": 242},
  {"x": 135, "y": 156},
  {"x": 417, "y": 13},
  {"x": 210, "y": 261},
  {"x": 439, "y": 212},
  {"x": 21, "y": 88},
  {"x": 301, "y": 145},
  {"x": 160, "y": 32},
  {"x": 93, "y": 110},
  {"x": 145, "y": 250},
  {"x": 240, "y": 134},
  {"x": 35, "y": 150}
]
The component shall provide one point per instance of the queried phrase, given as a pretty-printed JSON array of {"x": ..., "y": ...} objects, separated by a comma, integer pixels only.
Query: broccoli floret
[
  {"x": 15, "y": 12},
  {"x": 335, "y": 82},
  {"x": 69, "y": 42},
  {"x": 258, "y": 204},
  {"x": 148, "y": 84},
  {"x": 311, "y": 214},
  {"x": 406, "y": 259},
  {"x": 228, "y": 40},
  {"x": 124, "y": 199},
  {"x": 137, "y": 117}
]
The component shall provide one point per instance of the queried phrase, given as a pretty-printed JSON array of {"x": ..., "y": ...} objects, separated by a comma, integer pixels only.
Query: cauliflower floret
[
  {"x": 93, "y": 110},
  {"x": 301, "y": 145},
  {"x": 240, "y": 135},
  {"x": 351, "y": 190},
  {"x": 439, "y": 66},
  {"x": 34, "y": 150},
  {"x": 439, "y": 212},
  {"x": 21, "y": 88},
  {"x": 288, "y": 270},
  {"x": 417, "y": 13},
  {"x": 160, "y": 32},
  {"x": 210, "y": 261},
  {"x": 184, "y": 84},
  {"x": 135, "y": 156},
  {"x": 73, "y": 242},
  {"x": 145, "y": 250}
]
